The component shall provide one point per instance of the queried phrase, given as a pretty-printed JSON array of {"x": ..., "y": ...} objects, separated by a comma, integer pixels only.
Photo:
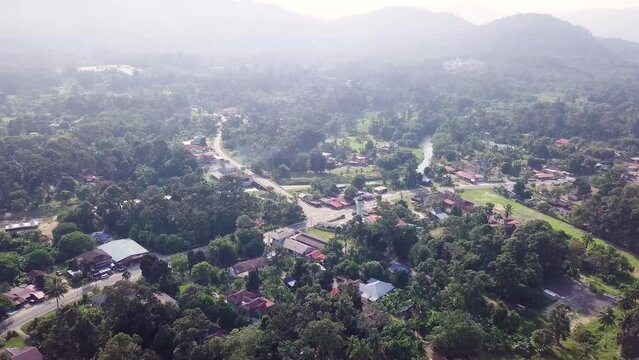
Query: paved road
[
  {"x": 313, "y": 214},
  {"x": 24, "y": 316}
]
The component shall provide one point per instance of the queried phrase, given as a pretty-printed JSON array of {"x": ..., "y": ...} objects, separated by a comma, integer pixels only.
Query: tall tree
[
  {"x": 122, "y": 347},
  {"x": 559, "y": 323},
  {"x": 56, "y": 287}
]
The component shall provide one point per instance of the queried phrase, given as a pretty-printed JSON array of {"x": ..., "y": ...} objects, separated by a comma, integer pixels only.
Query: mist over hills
[{"x": 244, "y": 29}]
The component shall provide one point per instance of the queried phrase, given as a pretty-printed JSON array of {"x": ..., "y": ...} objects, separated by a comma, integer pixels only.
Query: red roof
[
  {"x": 401, "y": 222},
  {"x": 250, "y": 265},
  {"x": 449, "y": 202},
  {"x": 467, "y": 175},
  {"x": 562, "y": 142},
  {"x": 334, "y": 292},
  {"x": 449, "y": 169},
  {"x": 28, "y": 353},
  {"x": 247, "y": 300},
  {"x": 317, "y": 255},
  {"x": 373, "y": 218}
]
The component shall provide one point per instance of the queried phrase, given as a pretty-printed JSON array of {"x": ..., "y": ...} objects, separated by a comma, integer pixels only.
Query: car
[
  {"x": 105, "y": 276},
  {"x": 59, "y": 273}
]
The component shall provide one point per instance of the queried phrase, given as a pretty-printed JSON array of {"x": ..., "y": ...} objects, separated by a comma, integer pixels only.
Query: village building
[
  {"x": 96, "y": 260},
  {"x": 277, "y": 237},
  {"x": 124, "y": 251},
  {"x": 375, "y": 289},
  {"x": 469, "y": 176},
  {"x": 27, "y": 353},
  {"x": 249, "y": 303},
  {"x": 242, "y": 268},
  {"x": 20, "y": 227},
  {"x": 23, "y": 295},
  {"x": 562, "y": 142}
]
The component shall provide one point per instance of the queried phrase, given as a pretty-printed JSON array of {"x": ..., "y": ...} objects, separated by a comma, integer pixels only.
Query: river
[{"x": 427, "y": 147}]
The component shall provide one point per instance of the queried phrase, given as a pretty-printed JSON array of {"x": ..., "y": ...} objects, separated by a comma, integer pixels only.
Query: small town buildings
[
  {"x": 124, "y": 251},
  {"x": 164, "y": 298},
  {"x": 242, "y": 268},
  {"x": 27, "y": 353},
  {"x": 562, "y": 142},
  {"x": 469, "y": 176},
  {"x": 23, "y": 295},
  {"x": 277, "y": 237},
  {"x": 249, "y": 303},
  {"x": 438, "y": 215},
  {"x": 310, "y": 240},
  {"x": 395, "y": 266},
  {"x": 380, "y": 190},
  {"x": 296, "y": 248},
  {"x": 18, "y": 228},
  {"x": 449, "y": 169},
  {"x": 96, "y": 260},
  {"x": 375, "y": 289},
  {"x": 316, "y": 255},
  {"x": 544, "y": 176}
]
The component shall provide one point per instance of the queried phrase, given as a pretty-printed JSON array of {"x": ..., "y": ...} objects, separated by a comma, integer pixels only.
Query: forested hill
[{"x": 246, "y": 29}]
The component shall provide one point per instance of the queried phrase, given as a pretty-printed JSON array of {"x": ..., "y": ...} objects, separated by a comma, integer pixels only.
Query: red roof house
[{"x": 562, "y": 142}]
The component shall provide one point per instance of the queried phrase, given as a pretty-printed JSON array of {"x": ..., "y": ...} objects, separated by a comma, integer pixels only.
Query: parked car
[{"x": 105, "y": 276}]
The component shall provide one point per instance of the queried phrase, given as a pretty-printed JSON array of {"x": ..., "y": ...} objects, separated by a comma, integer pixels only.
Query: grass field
[
  {"x": 525, "y": 213},
  {"x": 322, "y": 234},
  {"x": 15, "y": 342},
  {"x": 605, "y": 349}
]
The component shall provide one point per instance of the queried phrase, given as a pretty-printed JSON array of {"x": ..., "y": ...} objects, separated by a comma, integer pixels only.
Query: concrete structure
[
  {"x": 124, "y": 251},
  {"x": 277, "y": 237},
  {"x": 27, "y": 353},
  {"x": 375, "y": 289},
  {"x": 242, "y": 268},
  {"x": 20, "y": 227}
]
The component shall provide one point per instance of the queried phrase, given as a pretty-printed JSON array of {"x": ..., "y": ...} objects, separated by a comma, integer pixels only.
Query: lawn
[
  {"x": 322, "y": 234},
  {"x": 525, "y": 213},
  {"x": 606, "y": 347},
  {"x": 15, "y": 342}
]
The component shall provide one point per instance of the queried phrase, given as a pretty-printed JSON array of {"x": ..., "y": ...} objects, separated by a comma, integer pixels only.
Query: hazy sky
[{"x": 472, "y": 10}]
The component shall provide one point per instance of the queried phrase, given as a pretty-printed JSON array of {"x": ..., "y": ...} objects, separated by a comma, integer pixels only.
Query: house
[
  {"x": 124, "y": 251},
  {"x": 543, "y": 176},
  {"x": 164, "y": 298},
  {"x": 375, "y": 289},
  {"x": 417, "y": 199},
  {"x": 20, "y": 227},
  {"x": 469, "y": 176},
  {"x": 22, "y": 295},
  {"x": 333, "y": 203},
  {"x": 27, "y": 353},
  {"x": 372, "y": 219},
  {"x": 242, "y": 268},
  {"x": 101, "y": 237},
  {"x": 297, "y": 248},
  {"x": 380, "y": 189},
  {"x": 290, "y": 281},
  {"x": 95, "y": 259},
  {"x": 438, "y": 215},
  {"x": 562, "y": 142},
  {"x": 316, "y": 255},
  {"x": 449, "y": 169},
  {"x": 310, "y": 240},
  {"x": 277, "y": 237},
  {"x": 90, "y": 179},
  {"x": 249, "y": 303},
  {"x": 426, "y": 181}
]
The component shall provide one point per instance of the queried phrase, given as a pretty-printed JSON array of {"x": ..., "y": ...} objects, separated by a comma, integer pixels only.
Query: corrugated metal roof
[{"x": 122, "y": 249}]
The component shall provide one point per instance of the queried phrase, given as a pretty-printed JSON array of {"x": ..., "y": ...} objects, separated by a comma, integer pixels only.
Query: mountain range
[{"x": 245, "y": 29}]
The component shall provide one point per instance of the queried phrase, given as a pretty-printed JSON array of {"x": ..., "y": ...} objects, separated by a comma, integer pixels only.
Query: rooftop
[
  {"x": 28, "y": 353},
  {"x": 311, "y": 240},
  {"x": 297, "y": 247},
  {"x": 122, "y": 249},
  {"x": 249, "y": 265},
  {"x": 280, "y": 234},
  {"x": 375, "y": 289}
]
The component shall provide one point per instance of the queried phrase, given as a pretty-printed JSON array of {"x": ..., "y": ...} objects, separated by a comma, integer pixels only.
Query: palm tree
[
  {"x": 607, "y": 316},
  {"x": 509, "y": 210},
  {"x": 607, "y": 319},
  {"x": 587, "y": 240},
  {"x": 56, "y": 287}
]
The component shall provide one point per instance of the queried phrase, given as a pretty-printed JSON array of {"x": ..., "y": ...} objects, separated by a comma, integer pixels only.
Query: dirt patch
[{"x": 47, "y": 225}]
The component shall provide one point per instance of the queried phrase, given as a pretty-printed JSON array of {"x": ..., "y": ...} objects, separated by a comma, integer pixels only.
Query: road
[
  {"x": 313, "y": 214},
  {"x": 24, "y": 316}
]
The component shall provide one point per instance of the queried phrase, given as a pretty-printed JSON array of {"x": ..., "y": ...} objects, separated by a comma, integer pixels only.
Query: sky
[{"x": 477, "y": 11}]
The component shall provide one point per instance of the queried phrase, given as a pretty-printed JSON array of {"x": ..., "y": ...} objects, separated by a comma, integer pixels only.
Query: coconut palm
[
  {"x": 607, "y": 316},
  {"x": 56, "y": 287},
  {"x": 509, "y": 210},
  {"x": 587, "y": 240}
]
